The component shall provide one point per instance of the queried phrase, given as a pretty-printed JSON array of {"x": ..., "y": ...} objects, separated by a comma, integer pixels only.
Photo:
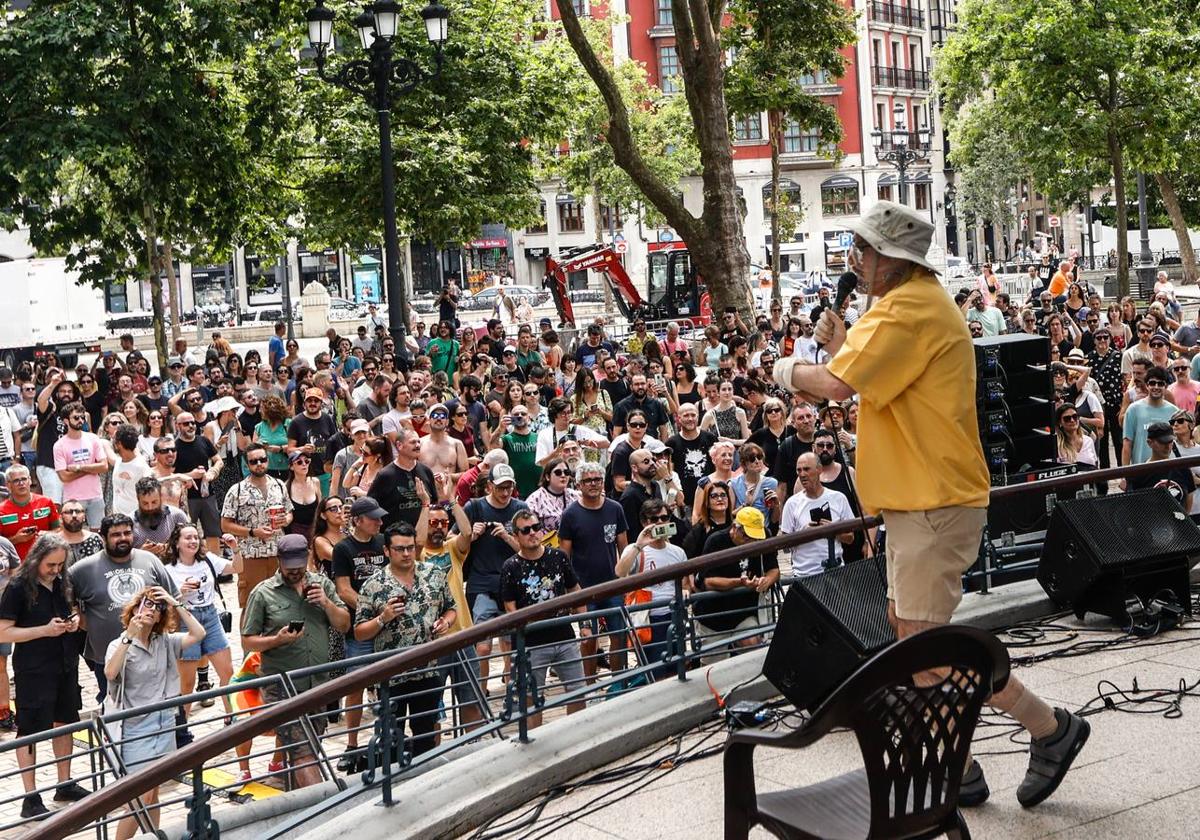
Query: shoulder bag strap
[{"x": 216, "y": 583}]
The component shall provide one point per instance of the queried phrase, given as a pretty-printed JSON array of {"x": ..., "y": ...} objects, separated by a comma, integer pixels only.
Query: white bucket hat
[{"x": 896, "y": 231}]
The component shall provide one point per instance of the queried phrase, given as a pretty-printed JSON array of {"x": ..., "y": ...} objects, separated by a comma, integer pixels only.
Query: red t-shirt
[{"x": 39, "y": 511}]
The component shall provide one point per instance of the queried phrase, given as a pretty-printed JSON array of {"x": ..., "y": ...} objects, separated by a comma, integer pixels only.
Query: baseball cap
[
  {"x": 357, "y": 426},
  {"x": 508, "y": 348},
  {"x": 174, "y": 361},
  {"x": 293, "y": 551},
  {"x": 312, "y": 393},
  {"x": 1160, "y": 431},
  {"x": 502, "y": 474},
  {"x": 1157, "y": 339},
  {"x": 545, "y": 322},
  {"x": 366, "y": 506},
  {"x": 751, "y": 520}
]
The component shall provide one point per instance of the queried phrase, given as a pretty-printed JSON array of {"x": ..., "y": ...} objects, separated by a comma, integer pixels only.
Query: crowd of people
[{"x": 368, "y": 500}]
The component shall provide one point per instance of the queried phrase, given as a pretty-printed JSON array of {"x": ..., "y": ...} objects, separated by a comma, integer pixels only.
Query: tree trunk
[
  {"x": 1117, "y": 162},
  {"x": 172, "y": 288},
  {"x": 715, "y": 240},
  {"x": 774, "y": 124},
  {"x": 1187, "y": 254},
  {"x": 156, "y": 307}
]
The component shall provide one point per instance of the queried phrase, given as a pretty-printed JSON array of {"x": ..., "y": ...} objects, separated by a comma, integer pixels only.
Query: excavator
[{"x": 675, "y": 292}]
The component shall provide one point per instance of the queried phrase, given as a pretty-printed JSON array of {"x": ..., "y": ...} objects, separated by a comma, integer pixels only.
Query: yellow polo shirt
[
  {"x": 451, "y": 562},
  {"x": 911, "y": 361}
]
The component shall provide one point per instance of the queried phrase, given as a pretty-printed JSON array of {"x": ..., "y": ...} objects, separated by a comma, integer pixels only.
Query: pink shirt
[
  {"x": 83, "y": 451},
  {"x": 1185, "y": 395}
]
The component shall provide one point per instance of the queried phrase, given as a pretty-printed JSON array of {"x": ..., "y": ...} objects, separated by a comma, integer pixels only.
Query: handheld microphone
[{"x": 847, "y": 283}]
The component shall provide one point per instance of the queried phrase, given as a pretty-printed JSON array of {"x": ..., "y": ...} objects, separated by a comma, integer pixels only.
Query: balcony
[
  {"x": 896, "y": 15},
  {"x": 899, "y": 77}
]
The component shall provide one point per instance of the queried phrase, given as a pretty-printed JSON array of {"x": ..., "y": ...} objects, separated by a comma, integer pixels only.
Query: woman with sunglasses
[
  {"x": 715, "y": 513},
  {"x": 1074, "y": 447},
  {"x": 460, "y": 429},
  {"x": 225, "y": 435},
  {"x": 773, "y": 430},
  {"x": 1183, "y": 424},
  {"x": 108, "y": 427},
  {"x": 552, "y": 497},
  {"x": 234, "y": 367},
  {"x": 196, "y": 572},
  {"x": 156, "y": 427},
  {"x": 305, "y": 493},
  {"x": 141, "y": 666},
  {"x": 376, "y": 454}
]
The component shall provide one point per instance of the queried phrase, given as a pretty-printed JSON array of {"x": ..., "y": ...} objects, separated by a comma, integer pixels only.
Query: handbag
[
  {"x": 224, "y": 616},
  {"x": 640, "y": 618}
]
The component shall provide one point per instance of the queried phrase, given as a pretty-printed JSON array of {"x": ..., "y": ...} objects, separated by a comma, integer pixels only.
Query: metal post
[
  {"x": 678, "y": 644},
  {"x": 281, "y": 280},
  {"x": 397, "y": 296},
  {"x": 386, "y": 738},
  {"x": 200, "y": 822},
  {"x": 519, "y": 671},
  {"x": 902, "y": 167},
  {"x": 1145, "y": 268}
]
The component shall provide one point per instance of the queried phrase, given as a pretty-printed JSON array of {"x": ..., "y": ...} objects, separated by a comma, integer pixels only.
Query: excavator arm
[{"x": 603, "y": 259}]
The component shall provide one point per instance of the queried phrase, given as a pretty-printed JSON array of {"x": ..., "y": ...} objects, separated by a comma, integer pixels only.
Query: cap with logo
[{"x": 502, "y": 474}]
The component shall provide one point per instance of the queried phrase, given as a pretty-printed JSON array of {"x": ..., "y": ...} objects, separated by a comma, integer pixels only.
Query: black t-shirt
[
  {"x": 1178, "y": 482},
  {"x": 525, "y": 582},
  {"x": 47, "y": 663},
  {"x": 690, "y": 459},
  {"x": 198, "y": 452},
  {"x": 617, "y": 391},
  {"x": 318, "y": 431},
  {"x": 488, "y": 553},
  {"x": 154, "y": 403},
  {"x": 50, "y": 428},
  {"x": 656, "y": 415},
  {"x": 447, "y": 305},
  {"x": 247, "y": 422},
  {"x": 358, "y": 560},
  {"x": 737, "y": 604},
  {"x": 790, "y": 449},
  {"x": 593, "y": 537},
  {"x": 632, "y": 499},
  {"x": 395, "y": 489}
]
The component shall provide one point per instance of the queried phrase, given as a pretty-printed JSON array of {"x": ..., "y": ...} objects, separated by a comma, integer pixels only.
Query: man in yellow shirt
[{"x": 910, "y": 360}]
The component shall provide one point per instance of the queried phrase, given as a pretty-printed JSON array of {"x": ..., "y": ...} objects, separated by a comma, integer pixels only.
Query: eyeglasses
[
  {"x": 250, "y": 461},
  {"x": 1156, "y": 383},
  {"x": 529, "y": 529},
  {"x": 1144, "y": 331},
  {"x": 403, "y": 549},
  {"x": 1177, "y": 420},
  {"x": 170, "y": 450},
  {"x": 714, "y": 496},
  {"x": 566, "y": 473},
  {"x": 533, "y": 393},
  {"x": 752, "y": 459},
  {"x": 84, "y": 382},
  {"x": 591, "y": 479},
  {"x": 660, "y": 518},
  {"x": 823, "y": 446},
  {"x": 154, "y": 605},
  {"x": 637, "y": 425},
  {"x": 114, "y": 423},
  {"x": 438, "y": 415},
  {"x": 72, "y": 512},
  {"x": 460, "y": 414},
  {"x": 774, "y": 410},
  {"x": 1180, "y": 369},
  {"x": 1101, "y": 337}
]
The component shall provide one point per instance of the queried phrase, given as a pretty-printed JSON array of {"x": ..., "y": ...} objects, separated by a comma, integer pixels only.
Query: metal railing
[
  {"x": 900, "y": 77},
  {"x": 682, "y": 640},
  {"x": 894, "y": 13}
]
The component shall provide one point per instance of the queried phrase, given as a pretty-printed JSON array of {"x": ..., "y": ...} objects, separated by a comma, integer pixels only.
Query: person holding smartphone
[
  {"x": 813, "y": 505},
  {"x": 653, "y": 550}
]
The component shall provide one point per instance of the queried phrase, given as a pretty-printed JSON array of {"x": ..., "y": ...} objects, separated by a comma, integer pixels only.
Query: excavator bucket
[{"x": 555, "y": 282}]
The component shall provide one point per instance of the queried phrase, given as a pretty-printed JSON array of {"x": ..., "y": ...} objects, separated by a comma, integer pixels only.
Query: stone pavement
[{"x": 1138, "y": 774}]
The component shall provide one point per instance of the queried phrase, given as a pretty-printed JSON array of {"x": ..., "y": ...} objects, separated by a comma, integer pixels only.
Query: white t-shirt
[
  {"x": 809, "y": 558},
  {"x": 805, "y": 349},
  {"x": 1188, "y": 452},
  {"x": 125, "y": 476},
  {"x": 549, "y": 438},
  {"x": 659, "y": 558},
  {"x": 206, "y": 595}
]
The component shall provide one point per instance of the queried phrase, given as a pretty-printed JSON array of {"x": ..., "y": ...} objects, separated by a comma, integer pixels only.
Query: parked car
[
  {"x": 486, "y": 298},
  {"x": 341, "y": 309}
]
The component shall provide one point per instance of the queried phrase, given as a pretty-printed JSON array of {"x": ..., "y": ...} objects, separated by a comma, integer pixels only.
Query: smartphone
[
  {"x": 663, "y": 531},
  {"x": 820, "y": 514},
  {"x": 295, "y": 626}
]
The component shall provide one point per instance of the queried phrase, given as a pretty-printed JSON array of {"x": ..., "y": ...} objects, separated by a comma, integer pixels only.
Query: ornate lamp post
[
  {"x": 901, "y": 148},
  {"x": 381, "y": 78}
]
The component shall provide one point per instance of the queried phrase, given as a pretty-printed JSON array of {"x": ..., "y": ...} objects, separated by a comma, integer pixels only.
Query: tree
[
  {"x": 123, "y": 136},
  {"x": 715, "y": 239},
  {"x": 1074, "y": 114},
  {"x": 773, "y": 42}
]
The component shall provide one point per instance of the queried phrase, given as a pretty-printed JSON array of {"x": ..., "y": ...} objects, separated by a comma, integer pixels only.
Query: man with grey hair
[{"x": 593, "y": 533}]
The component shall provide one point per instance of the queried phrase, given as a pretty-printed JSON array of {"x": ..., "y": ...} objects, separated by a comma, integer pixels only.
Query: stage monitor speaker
[
  {"x": 1101, "y": 550},
  {"x": 829, "y": 623}
]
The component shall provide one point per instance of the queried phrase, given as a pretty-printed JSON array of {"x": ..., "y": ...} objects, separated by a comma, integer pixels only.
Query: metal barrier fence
[{"x": 680, "y": 641}]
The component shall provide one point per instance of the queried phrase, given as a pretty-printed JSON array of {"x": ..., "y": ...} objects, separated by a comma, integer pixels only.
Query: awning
[
  {"x": 537, "y": 253},
  {"x": 915, "y": 178},
  {"x": 785, "y": 185},
  {"x": 566, "y": 198},
  {"x": 838, "y": 182}
]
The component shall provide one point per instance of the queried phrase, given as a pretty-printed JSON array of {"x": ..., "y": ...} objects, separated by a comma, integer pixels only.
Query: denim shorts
[
  {"x": 613, "y": 622},
  {"x": 356, "y": 648},
  {"x": 214, "y": 640},
  {"x": 484, "y": 605}
]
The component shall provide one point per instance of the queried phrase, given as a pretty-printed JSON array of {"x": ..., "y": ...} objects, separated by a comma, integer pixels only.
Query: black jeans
[
  {"x": 1112, "y": 432},
  {"x": 418, "y": 699}
]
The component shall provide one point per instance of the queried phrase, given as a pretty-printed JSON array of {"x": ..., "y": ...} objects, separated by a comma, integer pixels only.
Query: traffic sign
[
  {"x": 846, "y": 239},
  {"x": 621, "y": 247},
  {"x": 1055, "y": 221}
]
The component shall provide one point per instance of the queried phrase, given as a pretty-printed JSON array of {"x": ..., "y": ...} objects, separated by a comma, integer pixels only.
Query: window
[
  {"x": 877, "y": 52},
  {"x": 610, "y": 218},
  {"x": 668, "y": 70},
  {"x": 896, "y": 55},
  {"x": 581, "y": 7},
  {"x": 789, "y": 195},
  {"x": 881, "y": 115},
  {"x": 540, "y": 226},
  {"x": 748, "y": 128},
  {"x": 885, "y": 193},
  {"x": 839, "y": 200},
  {"x": 819, "y": 77},
  {"x": 570, "y": 216},
  {"x": 797, "y": 140},
  {"x": 665, "y": 16},
  {"x": 921, "y": 194},
  {"x": 914, "y": 57}
]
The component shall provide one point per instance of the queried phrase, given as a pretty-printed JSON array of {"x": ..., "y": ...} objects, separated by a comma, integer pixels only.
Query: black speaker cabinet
[
  {"x": 1101, "y": 550},
  {"x": 829, "y": 624}
]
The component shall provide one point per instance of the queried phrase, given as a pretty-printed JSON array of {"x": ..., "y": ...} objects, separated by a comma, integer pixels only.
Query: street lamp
[
  {"x": 902, "y": 148},
  {"x": 381, "y": 78}
]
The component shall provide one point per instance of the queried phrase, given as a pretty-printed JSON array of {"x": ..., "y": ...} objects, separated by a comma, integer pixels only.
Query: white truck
[{"x": 43, "y": 310}]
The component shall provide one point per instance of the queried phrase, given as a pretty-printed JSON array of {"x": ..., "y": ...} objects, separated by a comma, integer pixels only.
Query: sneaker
[
  {"x": 244, "y": 777},
  {"x": 203, "y": 684},
  {"x": 1051, "y": 757},
  {"x": 974, "y": 787},
  {"x": 275, "y": 768},
  {"x": 32, "y": 807},
  {"x": 70, "y": 792}
]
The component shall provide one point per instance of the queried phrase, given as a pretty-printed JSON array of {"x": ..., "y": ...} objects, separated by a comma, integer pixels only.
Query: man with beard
[
  {"x": 613, "y": 382},
  {"x": 804, "y": 421},
  {"x": 25, "y": 514},
  {"x": 643, "y": 469},
  {"x": 80, "y": 459},
  {"x": 440, "y": 452},
  {"x": 80, "y": 541},
  {"x": 50, "y": 427},
  {"x": 394, "y": 486},
  {"x": 839, "y": 477},
  {"x": 256, "y": 511},
  {"x": 106, "y": 581},
  {"x": 812, "y": 505},
  {"x": 153, "y": 521},
  {"x": 649, "y": 404},
  {"x": 197, "y": 458},
  {"x": 689, "y": 451}
]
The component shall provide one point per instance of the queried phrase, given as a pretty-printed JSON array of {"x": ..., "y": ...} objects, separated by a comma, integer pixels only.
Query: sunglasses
[
  {"x": 774, "y": 410},
  {"x": 460, "y": 414},
  {"x": 531, "y": 393},
  {"x": 661, "y": 518},
  {"x": 714, "y": 496},
  {"x": 1144, "y": 332},
  {"x": 250, "y": 461},
  {"x": 1067, "y": 417},
  {"x": 637, "y": 425},
  {"x": 823, "y": 446},
  {"x": 529, "y": 529},
  {"x": 566, "y": 473},
  {"x": 170, "y": 450},
  {"x": 752, "y": 459},
  {"x": 1156, "y": 382},
  {"x": 438, "y": 415}
]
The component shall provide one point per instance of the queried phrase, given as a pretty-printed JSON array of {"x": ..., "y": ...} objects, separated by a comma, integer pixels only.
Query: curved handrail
[{"x": 115, "y": 796}]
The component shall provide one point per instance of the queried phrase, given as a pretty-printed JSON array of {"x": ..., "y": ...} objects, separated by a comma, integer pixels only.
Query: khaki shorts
[{"x": 927, "y": 553}]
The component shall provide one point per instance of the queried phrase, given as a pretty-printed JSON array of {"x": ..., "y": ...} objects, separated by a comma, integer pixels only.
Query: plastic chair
[{"x": 914, "y": 741}]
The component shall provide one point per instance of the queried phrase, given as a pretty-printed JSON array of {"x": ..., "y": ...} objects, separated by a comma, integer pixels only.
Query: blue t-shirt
[
  {"x": 593, "y": 536},
  {"x": 1138, "y": 417},
  {"x": 275, "y": 351},
  {"x": 738, "y": 485}
]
